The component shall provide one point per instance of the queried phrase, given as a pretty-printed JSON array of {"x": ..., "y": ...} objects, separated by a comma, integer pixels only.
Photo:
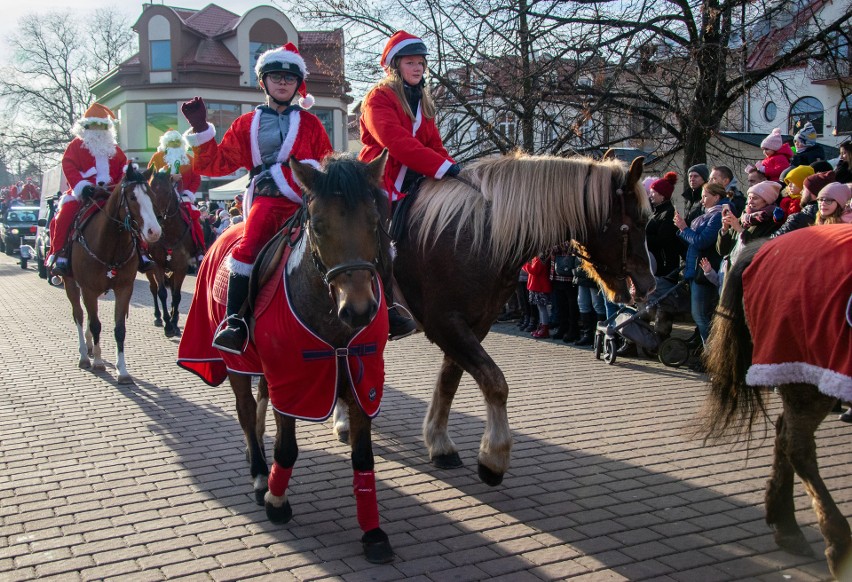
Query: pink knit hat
[
  {"x": 838, "y": 192},
  {"x": 773, "y": 141},
  {"x": 767, "y": 190}
]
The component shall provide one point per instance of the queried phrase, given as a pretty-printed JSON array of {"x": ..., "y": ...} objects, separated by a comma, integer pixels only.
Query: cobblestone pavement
[{"x": 149, "y": 482}]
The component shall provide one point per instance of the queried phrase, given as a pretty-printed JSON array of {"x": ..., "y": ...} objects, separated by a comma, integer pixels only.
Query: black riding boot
[
  {"x": 587, "y": 329},
  {"x": 233, "y": 338},
  {"x": 399, "y": 324},
  {"x": 145, "y": 262}
]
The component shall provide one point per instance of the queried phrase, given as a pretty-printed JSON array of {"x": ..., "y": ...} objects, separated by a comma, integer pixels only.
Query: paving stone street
[{"x": 149, "y": 481}]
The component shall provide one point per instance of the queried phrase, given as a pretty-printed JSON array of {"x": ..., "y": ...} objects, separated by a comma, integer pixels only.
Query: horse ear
[
  {"x": 376, "y": 168},
  {"x": 148, "y": 173},
  {"x": 305, "y": 174},
  {"x": 608, "y": 154},
  {"x": 635, "y": 174}
]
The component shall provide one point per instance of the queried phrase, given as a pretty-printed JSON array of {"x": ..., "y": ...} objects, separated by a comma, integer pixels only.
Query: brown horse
[
  {"x": 171, "y": 254},
  {"x": 458, "y": 260},
  {"x": 328, "y": 296},
  {"x": 104, "y": 257},
  {"x": 806, "y": 352}
]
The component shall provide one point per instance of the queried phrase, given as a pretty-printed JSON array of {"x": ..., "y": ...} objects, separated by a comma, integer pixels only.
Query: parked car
[{"x": 19, "y": 227}]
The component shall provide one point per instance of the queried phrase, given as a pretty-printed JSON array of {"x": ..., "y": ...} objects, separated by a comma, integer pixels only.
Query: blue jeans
[
  {"x": 704, "y": 299},
  {"x": 590, "y": 299}
]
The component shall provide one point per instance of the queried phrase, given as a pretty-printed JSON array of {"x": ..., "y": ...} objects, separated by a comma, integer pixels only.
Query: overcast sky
[{"x": 12, "y": 10}]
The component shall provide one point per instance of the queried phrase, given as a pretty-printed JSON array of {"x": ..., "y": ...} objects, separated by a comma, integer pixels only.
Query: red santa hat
[
  {"x": 286, "y": 59},
  {"x": 97, "y": 113},
  {"x": 401, "y": 44}
]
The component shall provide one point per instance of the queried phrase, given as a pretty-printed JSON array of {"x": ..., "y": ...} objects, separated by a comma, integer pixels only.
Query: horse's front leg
[
  {"x": 163, "y": 297},
  {"x": 804, "y": 409},
  {"x": 377, "y": 548},
  {"x": 286, "y": 452},
  {"x": 177, "y": 283},
  {"x": 154, "y": 287},
  {"x": 251, "y": 420},
  {"x": 90, "y": 300},
  {"x": 122, "y": 305},
  {"x": 340, "y": 420},
  {"x": 72, "y": 291},
  {"x": 442, "y": 449}
]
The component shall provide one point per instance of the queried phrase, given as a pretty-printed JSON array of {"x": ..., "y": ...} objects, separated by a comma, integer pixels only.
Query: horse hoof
[
  {"x": 377, "y": 548},
  {"x": 84, "y": 364},
  {"x": 278, "y": 515},
  {"x": 259, "y": 495},
  {"x": 794, "y": 543},
  {"x": 99, "y": 367},
  {"x": 343, "y": 436},
  {"x": 158, "y": 323},
  {"x": 489, "y": 477},
  {"x": 170, "y": 333},
  {"x": 447, "y": 461},
  {"x": 125, "y": 379}
]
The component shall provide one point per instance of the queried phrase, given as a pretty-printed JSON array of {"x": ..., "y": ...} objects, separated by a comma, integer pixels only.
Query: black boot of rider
[
  {"x": 399, "y": 325},
  {"x": 146, "y": 265},
  {"x": 233, "y": 338}
]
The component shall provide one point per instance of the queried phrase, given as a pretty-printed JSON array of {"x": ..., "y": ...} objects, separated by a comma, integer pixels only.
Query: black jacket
[
  {"x": 808, "y": 156},
  {"x": 843, "y": 173},
  {"x": 805, "y": 217},
  {"x": 663, "y": 241}
]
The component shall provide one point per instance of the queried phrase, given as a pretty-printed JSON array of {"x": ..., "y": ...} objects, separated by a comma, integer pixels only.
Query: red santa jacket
[
  {"x": 82, "y": 169},
  {"x": 417, "y": 145},
  {"x": 190, "y": 179},
  {"x": 29, "y": 192},
  {"x": 306, "y": 140}
]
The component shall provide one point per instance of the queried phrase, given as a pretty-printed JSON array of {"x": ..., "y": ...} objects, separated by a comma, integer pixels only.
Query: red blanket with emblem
[
  {"x": 301, "y": 368},
  {"x": 797, "y": 292}
]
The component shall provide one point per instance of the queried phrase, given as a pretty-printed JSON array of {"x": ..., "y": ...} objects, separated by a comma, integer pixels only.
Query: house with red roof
[{"x": 211, "y": 52}]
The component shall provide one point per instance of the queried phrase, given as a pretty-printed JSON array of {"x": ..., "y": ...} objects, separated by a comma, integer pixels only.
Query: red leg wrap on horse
[
  {"x": 364, "y": 484},
  {"x": 279, "y": 478}
]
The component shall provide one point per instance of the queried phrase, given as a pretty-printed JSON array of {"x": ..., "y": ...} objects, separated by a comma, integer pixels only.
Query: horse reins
[{"x": 126, "y": 224}]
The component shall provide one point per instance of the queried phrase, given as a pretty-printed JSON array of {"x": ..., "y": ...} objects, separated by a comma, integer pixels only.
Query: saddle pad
[{"x": 796, "y": 293}]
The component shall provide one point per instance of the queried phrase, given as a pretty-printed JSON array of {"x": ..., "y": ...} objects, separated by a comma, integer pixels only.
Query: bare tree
[{"x": 45, "y": 87}]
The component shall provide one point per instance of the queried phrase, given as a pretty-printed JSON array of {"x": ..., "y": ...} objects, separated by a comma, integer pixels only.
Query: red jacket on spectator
[{"x": 539, "y": 276}]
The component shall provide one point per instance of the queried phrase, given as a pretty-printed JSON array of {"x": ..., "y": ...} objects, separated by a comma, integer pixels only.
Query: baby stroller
[{"x": 628, "y": 323}]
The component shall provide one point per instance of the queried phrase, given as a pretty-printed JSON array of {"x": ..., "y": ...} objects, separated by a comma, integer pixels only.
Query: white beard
[
  {"x": 101, "y": 143},
  {"x": 172, "y": 155}
]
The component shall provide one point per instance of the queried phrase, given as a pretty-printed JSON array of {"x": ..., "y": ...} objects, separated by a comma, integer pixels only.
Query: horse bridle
[
  {"x": 619, "y": 196},
  {"x": 127, "y": 224},
  {"x": 174, "y": 197}
]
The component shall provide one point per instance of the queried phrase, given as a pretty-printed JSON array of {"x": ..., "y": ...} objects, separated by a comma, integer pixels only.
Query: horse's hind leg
[
  {"x": 286, "y": 452},
  {"x": 72, "y": 291},
  {"x": 122, "y": 304},
  {"x": 377, "y": 548},
  {"x": 252, "y": 422},
  {"x": 177, "y": 283},
  {"x": 804, "y": 409},
  {"x": 442, "y": 449},
  {"x": 153, "y": 286},
  {"x": 91, "y": 302}
]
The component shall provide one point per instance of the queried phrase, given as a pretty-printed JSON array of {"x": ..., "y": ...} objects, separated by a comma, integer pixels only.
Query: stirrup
[
  {"x": 400, "y": 326},
  {"x": 226, "y": 337}
]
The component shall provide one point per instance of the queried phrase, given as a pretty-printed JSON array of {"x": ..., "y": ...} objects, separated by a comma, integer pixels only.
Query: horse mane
[
  {"x": 522, "y": 204},
  {"x": 344, "y": 176}
]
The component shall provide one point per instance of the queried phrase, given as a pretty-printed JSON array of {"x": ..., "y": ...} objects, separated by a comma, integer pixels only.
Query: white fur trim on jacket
[
  {"x": 188, "y": 196},
  {"x": 828, "y": 382},
  {"x": 239, "y": 267},
  {"x": 197, "y": 139},
  {"x": 442, "y": 169},
  {"x": 67, "y": 197},
  {"x": 78, "y": 188}
]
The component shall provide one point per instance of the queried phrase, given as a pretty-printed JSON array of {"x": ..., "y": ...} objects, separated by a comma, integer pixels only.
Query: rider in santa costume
[
  {"x": 399, "y": 114},
  {"x": 92, "y": 159},
  {"x": 30, "y": 191},
  {"x": 262, "y": 142},
  {"x": 171, "y": 157}
]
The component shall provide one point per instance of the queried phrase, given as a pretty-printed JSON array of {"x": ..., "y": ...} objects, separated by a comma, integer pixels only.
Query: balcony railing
[{"x": 830, "y": 71}]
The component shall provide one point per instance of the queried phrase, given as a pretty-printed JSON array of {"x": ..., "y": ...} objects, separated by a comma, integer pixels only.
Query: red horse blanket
[
  {"x": 797, "y": 294},
  {"x": 302, "y": 369}
]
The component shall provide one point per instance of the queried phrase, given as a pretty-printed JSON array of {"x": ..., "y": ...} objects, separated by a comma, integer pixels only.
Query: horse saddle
[{"x": 90, "y": 207}]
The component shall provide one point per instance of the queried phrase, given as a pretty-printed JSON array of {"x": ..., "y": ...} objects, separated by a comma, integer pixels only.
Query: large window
[
  {"x": 806, "y": 109},
  {"x": 161, "y": 55},
  {"x": 255, "y": 50},
  {"x": 222, "y": 115},
  {"x": 327, "y": 118},
  {"x": 507, "y": 126},
  {"x": 159, "y": 118},
  {"x": 844, "y": 116}
]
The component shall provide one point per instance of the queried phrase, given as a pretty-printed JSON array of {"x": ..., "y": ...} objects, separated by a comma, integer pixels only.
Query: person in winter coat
[
  {"x": 833, "y": 203},
  {"x": 843, "y": 171},
  {"x": 725, "y": 176},
  {"x": 540, "y": 287},
  {"x": 661, "y": 233},
  {"x": 808, "y": 214},
  {"x": 701, "y": 235},
  {"x": 776, "y": 154},
  {"x": 791, "y": 201},
  {"x": 398, "y": 114},
  {"x": 562, "y": 265},
  {"x": 696, "y": 177},
  {"x": 808, "y": 150},
  {"x": 261, "y": 141}
]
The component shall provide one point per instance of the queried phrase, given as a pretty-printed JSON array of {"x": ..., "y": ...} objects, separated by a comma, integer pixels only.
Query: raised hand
[{"x": 195, "y": 112}]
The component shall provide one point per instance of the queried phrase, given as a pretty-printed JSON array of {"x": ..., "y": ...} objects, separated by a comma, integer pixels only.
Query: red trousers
[
  {"x": 192, "y": 215},
  {"x": 266, "y": 217},
  {"x": 62, "y": 223}
]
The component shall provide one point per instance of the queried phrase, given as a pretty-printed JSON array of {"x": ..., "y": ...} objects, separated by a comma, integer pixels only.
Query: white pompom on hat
[
  {"x": 286, "y": 59},
  {"x": 773, "y": 141}
]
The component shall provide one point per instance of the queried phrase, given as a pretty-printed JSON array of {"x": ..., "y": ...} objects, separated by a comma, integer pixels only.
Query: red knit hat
[
  {"x": 665, "y": 185},
  {"x": 400, "y": 44},
  {"x": 286, "y": 59},
  {"x": 817, "y": 182}
]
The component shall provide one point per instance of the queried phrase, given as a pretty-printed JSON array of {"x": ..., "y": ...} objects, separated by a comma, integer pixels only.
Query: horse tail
[{"x": 731, "y": 406}]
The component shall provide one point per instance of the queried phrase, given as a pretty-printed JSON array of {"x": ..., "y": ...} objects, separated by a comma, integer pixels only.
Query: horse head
[
  {"x": 617, "y": 256},
  {"x": 164, "y": 195},
  {"x": 136, "y": 201},
  {"x": 343, "y": 228}
]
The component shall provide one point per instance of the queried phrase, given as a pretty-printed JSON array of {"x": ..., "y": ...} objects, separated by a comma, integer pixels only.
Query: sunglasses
[{"x": 286, "y": 78}]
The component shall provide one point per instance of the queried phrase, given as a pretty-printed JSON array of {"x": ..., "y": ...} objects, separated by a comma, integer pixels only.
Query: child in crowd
[
  {"x": 540, "y": 287},
  {"x": 795, "y": 178},
  {"x": 833, "y": 203},
  {"x": 776, "y": 154}
]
